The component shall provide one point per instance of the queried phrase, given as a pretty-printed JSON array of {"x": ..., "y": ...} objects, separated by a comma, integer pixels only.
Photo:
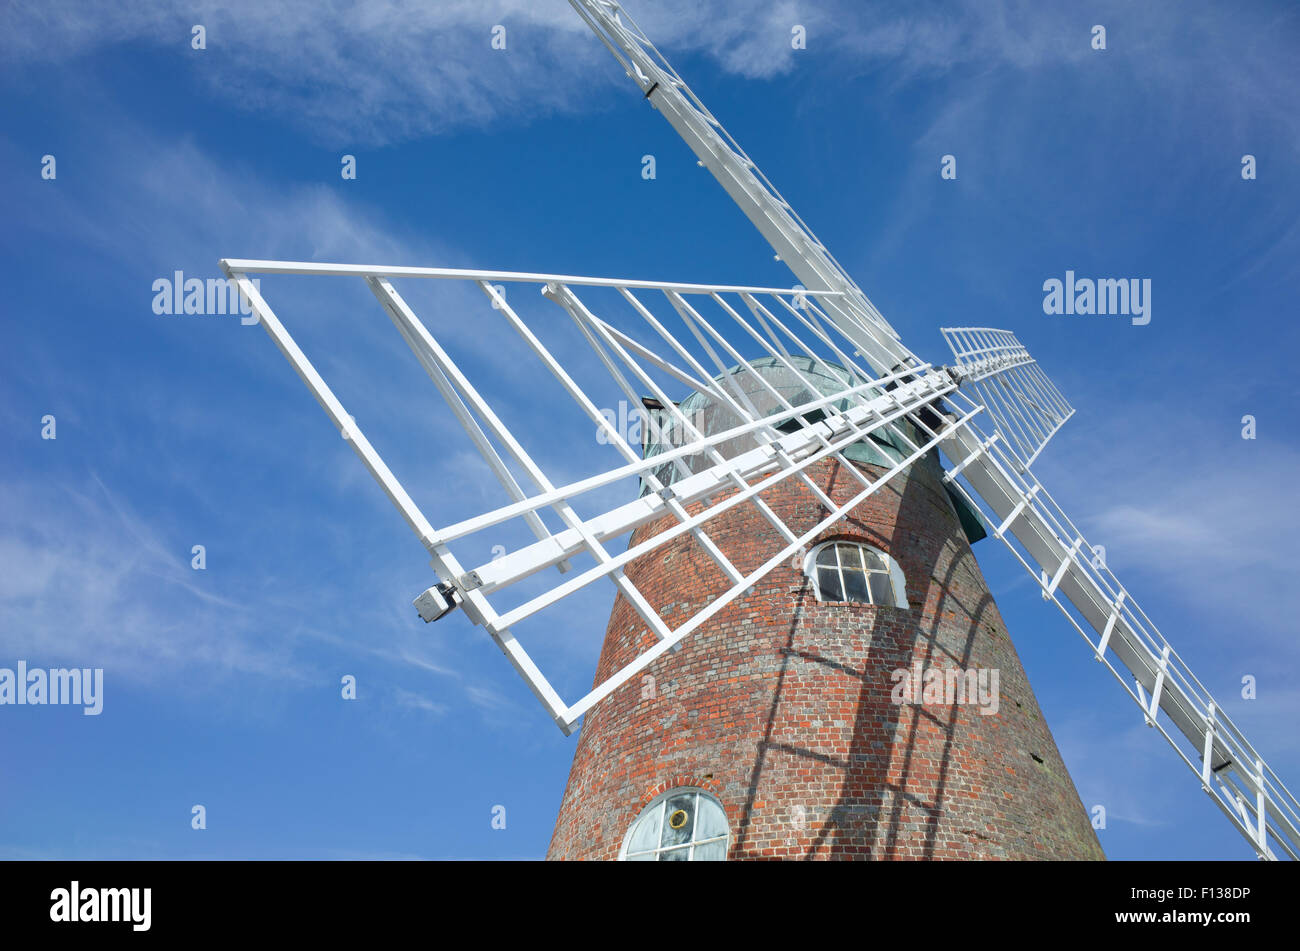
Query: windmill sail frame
[
  {"x": 1024, "y": 404},
  {"x": 782, "y": 323}
]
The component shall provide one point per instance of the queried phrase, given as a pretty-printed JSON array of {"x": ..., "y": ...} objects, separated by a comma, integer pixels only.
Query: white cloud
[
  {"x": 90, "y": 583},
  {"x": 387, "y": 71},
  {"x": 415, "y": 701},
  {"x": 377, "y": 71},
  {"x": 383, "y": 72},
  {"x": 1212, "y": 527}
]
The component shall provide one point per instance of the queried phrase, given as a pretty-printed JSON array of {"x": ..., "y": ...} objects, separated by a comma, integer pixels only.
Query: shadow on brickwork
[{"x": 870, "y": 816}]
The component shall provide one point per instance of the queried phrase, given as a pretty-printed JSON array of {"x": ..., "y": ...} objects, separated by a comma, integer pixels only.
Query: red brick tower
[{"x": 784, "y": 728}]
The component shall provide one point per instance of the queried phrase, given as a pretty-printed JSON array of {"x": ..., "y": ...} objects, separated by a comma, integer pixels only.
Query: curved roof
[{"x": 756, "y": 387}]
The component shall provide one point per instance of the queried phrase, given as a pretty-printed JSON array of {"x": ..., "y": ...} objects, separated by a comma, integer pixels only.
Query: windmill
[{"x": 793, "y": 444}]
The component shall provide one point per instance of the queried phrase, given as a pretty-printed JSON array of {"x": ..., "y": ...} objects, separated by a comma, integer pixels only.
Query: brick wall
[{"x": 781, "y": 706}]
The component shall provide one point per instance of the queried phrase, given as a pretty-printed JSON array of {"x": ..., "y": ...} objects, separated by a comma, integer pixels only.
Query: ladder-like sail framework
[
  {"x": 1023, "y": 403},
  {"x": 643, "y": 337},
  {"x": 995, "y": 468}
]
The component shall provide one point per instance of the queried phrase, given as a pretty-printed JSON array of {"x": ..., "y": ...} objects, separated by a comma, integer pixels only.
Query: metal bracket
[{"x": 437, "y": 602}]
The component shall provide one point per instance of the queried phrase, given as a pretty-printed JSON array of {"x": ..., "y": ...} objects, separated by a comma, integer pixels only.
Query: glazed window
[
  {"x": 851, "y": 571},
  {"x": 683, "y": 825}
]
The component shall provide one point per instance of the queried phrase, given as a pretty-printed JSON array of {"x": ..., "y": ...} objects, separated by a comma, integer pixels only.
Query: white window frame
[
  {"x": 898, "y": 582},
  {"x": 660, "y": 802}
]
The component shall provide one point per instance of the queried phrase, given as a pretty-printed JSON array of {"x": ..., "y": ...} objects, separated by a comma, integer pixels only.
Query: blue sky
[{"x": 222, "y": 685}]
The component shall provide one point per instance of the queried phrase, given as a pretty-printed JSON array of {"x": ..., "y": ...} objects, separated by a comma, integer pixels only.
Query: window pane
[
  {"x": 882, "y": 590},
  {"x": 828, "y": 581},
  {"x": 679, "y": 820},
  {"x": 712, "y": 851},
  {"x": 710, "y": 820},
  {"x": 855, "y": 586},
  {"x": 643, "y": 857},
  {"x": 826, "y": 556},
  {"x": 849, "y": 557},
  {"x": 872, "y": 559},
  {"x": 676, "y": 855},
  {"x": 645, "y": 834}
]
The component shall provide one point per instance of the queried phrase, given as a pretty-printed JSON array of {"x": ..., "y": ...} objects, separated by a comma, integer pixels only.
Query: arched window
[
  {"x": 682, "y": 825},
  {"x": 852, "y": 571}
]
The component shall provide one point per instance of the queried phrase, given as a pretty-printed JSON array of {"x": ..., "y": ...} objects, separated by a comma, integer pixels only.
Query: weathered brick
[{"x": 782, "y": 702}]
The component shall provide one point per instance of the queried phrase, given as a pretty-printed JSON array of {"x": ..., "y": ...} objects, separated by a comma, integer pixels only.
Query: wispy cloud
[
  {"x": 415, "y": 701},
  {"x": 90, "y": 583},
  {"x": 1212, "y": 523},
  {"x": 1115, "y": 769},
  {"x": 386, "y": 72}
]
